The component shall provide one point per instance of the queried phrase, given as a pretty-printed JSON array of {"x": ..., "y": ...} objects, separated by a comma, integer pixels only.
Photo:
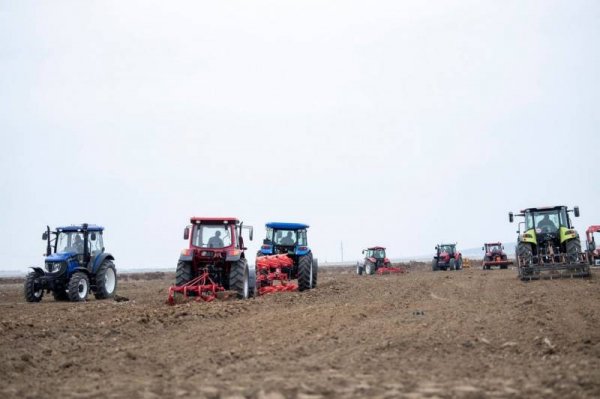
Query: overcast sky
[{"x": 397, "y": 123}]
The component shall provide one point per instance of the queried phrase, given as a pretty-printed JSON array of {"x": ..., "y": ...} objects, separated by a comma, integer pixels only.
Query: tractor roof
[
  {"x": 212, "y": 220},
  {"x": 448, "y": 245},
  {"x": 79, "y": 227},
  {"x": 375, "y": 248},
  {"x": 493, "y": 243},
  {"x": 543, "y": 208},
  {"x": 287, "y": 226}
]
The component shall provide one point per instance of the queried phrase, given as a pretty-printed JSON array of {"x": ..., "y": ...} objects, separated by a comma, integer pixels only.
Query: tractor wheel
[
  {"x": 359, "y": 269},
  {"x": 79, "y": 287},
  {"x": 60, "y": 295},
  {"x": 305, "y": 272},
  {"x": 573, "y": 248},
  {"x": 369, "y": 268},
  {"x": 452, "y": 264},
  {"x": 525, "y": 253},
  {"x": 106, "y": 280},
  {"x": 239, "y": 278},
  {"x": 434, "y": 266},
  {"x": 183, "y": 274},
  {"x": 459, "y": 263},
  {"x": 315, "y": 273},
  {"x": 33, "y": 292}
]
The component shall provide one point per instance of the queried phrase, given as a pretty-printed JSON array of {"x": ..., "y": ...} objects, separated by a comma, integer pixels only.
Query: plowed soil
[{"x": 470, "y": 333}]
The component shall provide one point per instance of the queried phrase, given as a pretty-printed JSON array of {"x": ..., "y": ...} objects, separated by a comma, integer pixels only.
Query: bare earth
[{"x": 469, "y": 334}]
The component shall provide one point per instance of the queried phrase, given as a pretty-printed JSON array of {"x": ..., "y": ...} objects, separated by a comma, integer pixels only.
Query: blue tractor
[
  {"x": 291, "y": 239},
  {"x": 75, "y": 264}
]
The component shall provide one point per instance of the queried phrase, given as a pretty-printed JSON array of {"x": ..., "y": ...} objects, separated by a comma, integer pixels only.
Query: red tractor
[
  {"x": 214, "y": 260},
  {"x": 494, "y": 256},
  {"x": 375, "y": 261},
  {"x": 447, "y": 258},
  {"x": 593, "y": 249}
]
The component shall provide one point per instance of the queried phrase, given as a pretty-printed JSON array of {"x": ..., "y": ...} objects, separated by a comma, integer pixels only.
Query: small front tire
[{"x": 33, "y": 290}]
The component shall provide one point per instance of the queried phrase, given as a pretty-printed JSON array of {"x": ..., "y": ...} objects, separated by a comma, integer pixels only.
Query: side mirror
[
  {"x": 186, "y": 233},
  {"x": 503, "y": 247},
  {"x": 511, "y": 217},
  {"x": 93, "y": 236},
  {"x": 251, "y": 233},
  {"x": 436, "y": 247},
  {"x": 363, "y": 251},
  {"x": 45, "y": 236},
  {"x": 483, "y": 248},
  {"x": 576, "y": 211}
]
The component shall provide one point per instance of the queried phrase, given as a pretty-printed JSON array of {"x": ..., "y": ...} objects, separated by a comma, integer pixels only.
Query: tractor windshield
[
  {"x": 285, "y": 237},
  {"x": 69, "y": 242},
  {"x": 211, "y": 236},
  {"x": 376, "y": 253},
  {"x": 546, "y": 221},
  {"x": 494, "y": 248},
  {"x": 447, "y": 248}
]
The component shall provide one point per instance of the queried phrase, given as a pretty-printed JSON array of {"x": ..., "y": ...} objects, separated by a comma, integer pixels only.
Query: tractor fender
[
  {"x": 185, "y": 258},
  {"x": 300, "y": 252},
  {"x": 38, "y": 270},
  {"x": 81, "y": 269},
  {"x": 251, "y": 278},
  {"x": 100, "y": 259},
  {"x": 234, "y": 258}
]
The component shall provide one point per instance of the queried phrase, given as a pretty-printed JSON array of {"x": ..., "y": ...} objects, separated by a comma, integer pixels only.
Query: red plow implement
[
  {"x": 390, "y": 270},
  {"x": 202, "y": 288},
  {"x": 272, "y": 275}
]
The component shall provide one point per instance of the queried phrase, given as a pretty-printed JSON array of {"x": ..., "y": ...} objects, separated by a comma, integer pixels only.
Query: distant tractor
[
  {"x": 375, "y": 261},
  {"x": 592, "y": 235},
  {"x": 285, "y": 256},
  {"x": 495, "y": 256},
  {"x": 214, "y": 260},
  {"x": 548, "y": 246},
  {"x": 447, "y": 258},
  {"x": 75, "y": 264}
]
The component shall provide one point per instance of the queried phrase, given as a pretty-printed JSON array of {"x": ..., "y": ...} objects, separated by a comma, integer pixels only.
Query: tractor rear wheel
[
  {"x": 434, "y": 266},
  {"x": 459, "y": 263},
  {"x": 315, "y": 263},
  {"x": 369, "y": 268},
  {"x": 305, "y": 272},
  {"x": 239, "y": 279},
  {"x": 452, "y": 264},
  {"x": 359, "y": 269},
  {"x": 33, "y": 292},
  {"x": 79, "y": 287},
  {"x": 60, "y": 295},
  {"x": 524, "y": 254},
  {"x": 183, "y": 274},
  {"x": 106, "y": 280},
  {"x": 573, "y": 248}
]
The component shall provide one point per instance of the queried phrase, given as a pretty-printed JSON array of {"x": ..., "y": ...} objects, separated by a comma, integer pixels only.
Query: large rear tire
[
  {"x": 106, "y": 280},
  {"x": 32, "y": 289},
  {"x": 370, "y": 268},
  {"x": 452, "y": 264},
  {"x": 239, "y": 279},
  {"x": 359, "y": 269},
  {"x": 305, "y": 272},
  {"x": 573, "y": 248},
  {"x": 79, "y": 287},
  {"x": 183, "y": 274},
  {"x": 434, "y": 266},
  {"x": 315, "y": 272},
  {"x": 524, "y": 254}
]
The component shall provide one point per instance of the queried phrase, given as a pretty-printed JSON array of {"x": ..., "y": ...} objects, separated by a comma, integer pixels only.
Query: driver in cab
[
  {"x": 546, "y": 224},
  {"x": 215, "y": 241}
]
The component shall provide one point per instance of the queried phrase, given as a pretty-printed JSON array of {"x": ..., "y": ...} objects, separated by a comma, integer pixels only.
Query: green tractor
[{"x": 548, "y": 245}]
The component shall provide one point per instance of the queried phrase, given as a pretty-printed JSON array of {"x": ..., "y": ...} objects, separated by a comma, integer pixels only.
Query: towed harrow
[
  {"x": 554, "y": 266},
  {"x": 390, "y": 270}
]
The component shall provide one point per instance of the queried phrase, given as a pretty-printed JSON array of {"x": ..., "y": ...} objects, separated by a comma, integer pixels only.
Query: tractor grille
[{"x": 56, "y": 267}]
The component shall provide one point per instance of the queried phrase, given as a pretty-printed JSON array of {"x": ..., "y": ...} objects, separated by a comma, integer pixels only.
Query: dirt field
[{"x": 469, "y": 334}]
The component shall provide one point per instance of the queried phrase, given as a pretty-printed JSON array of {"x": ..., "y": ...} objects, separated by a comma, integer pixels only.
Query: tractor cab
[
  {"x": 446, "y": 250},
  {"x": 285, "y": 238},
  {"x": 375, "y": 253},
  {"x": 592, "y": 235},
  {"x": 493, "y": 248},
  {"x": 73, "y": 246}
]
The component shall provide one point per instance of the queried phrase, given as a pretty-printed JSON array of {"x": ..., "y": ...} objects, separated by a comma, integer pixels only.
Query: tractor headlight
[{"x": 54, "y": 267}]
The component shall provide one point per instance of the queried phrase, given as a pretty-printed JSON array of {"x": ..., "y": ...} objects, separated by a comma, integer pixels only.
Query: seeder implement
[
  {"x": 272, "y": 274},
  {"x": 202, "y": 288}
]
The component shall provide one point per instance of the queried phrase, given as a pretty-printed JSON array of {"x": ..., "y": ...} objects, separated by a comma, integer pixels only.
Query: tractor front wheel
[
  {"x": 359, "y": 269},
  {"x": 452, "y": 264},
  {"x": 33, "y": 291},
  {"x": 369, "y": 268},
  {"x": 434, "y": 266},
  {"x": 106, "y": 280},
  {"x": 239, "y": 279},
  {"x": 305, "y": 272},
  {"x": 79, "y": 287}
]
